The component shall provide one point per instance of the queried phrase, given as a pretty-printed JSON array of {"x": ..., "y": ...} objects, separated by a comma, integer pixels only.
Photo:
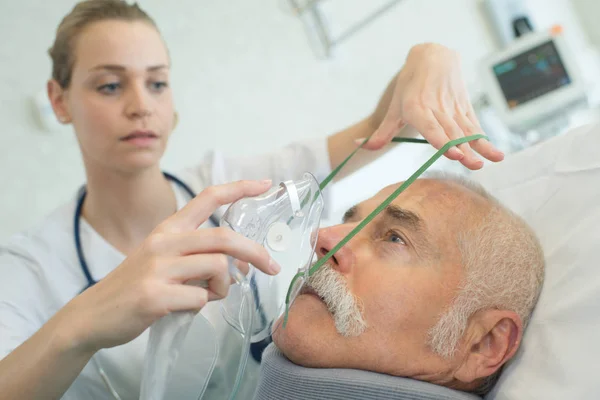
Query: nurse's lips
[{"x": 140, "y": 138}]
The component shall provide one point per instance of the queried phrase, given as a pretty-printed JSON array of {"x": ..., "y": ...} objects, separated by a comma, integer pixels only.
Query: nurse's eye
[
  {"x": 109, "y": 88},
  {"x": 395, "y": 237},
  {"x": 158, "y": 86}
]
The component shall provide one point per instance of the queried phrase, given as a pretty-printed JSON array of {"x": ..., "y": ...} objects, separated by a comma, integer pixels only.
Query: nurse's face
[
  {"x": 403, "y": 269},
  {"x": 119, "y": 99}
]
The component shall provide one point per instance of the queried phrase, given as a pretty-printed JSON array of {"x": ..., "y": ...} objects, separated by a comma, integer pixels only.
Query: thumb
[
  {"x": 390, "y": 126},
  {"x": 200, "y": 208}
]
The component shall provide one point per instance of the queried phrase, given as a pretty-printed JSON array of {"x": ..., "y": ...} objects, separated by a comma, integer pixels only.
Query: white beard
[{"x": 331, "y": 287}]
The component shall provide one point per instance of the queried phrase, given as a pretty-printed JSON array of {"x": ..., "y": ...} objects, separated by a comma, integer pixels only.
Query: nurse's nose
[
  {"x": 138, "y": 101},
  {"x": 343, "y": 259}
]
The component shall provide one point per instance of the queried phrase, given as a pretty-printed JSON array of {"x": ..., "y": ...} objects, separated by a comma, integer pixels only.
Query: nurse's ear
[
  {"x": 56, "y": 95},
  {"x": 175, "y": 119}
]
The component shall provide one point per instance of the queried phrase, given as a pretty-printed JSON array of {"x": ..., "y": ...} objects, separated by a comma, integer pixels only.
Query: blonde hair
[{"x": 84, "y": 14}]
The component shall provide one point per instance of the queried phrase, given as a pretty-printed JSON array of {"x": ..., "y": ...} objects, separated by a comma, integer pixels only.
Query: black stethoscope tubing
[
  {"x": 77, "y": 230},
  {"x": 256, "y": 349}
]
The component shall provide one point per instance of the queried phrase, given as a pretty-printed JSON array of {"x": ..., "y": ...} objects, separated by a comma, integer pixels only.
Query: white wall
[
  {"x": 588, "y": 12},
  {"x": 245, "y": 80}
]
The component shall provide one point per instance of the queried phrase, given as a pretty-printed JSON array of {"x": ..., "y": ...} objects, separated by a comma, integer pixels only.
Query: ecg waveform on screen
[{"x": 531, "y": 74}]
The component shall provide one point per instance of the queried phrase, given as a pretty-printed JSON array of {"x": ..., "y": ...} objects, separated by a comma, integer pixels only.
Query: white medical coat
[{"x": 40, "y": 273}]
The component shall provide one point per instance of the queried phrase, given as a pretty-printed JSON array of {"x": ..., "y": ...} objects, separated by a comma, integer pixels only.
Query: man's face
[{"x": 404, "y": 269}]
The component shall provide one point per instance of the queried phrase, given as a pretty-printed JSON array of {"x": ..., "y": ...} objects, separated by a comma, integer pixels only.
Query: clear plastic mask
[{"x": 285, "y": 221}]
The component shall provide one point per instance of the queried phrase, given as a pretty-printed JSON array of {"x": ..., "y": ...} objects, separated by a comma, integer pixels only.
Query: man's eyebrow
[
  {"x": 351, "y": 213},
  {"x": 416, "y": 229},
  {"x": 114, "y": 67},
  {"x": 398, "y": 214},
  {"x": 404, "y": 217}
]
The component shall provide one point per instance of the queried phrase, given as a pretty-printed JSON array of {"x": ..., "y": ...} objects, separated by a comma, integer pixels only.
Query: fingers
[
  {"x": 482, "y": 146},
  {"x": 383, "y": 135},
  {"x": 388, "y": 111},
  {"x": 455, "y": 131},
  {"x": 185, "y": 298},
  {"x": 389, "y": 127},
  {"x": 197, "y": 269},
  {"x": 430, "y": 94},
  {"x": 199, "y": 209},
  {"x": 224, "y": 241},
  {"x": 425, "y": 121},
  {"x": 242, "y": 266},
  {"x": 209, "y": 271},
  {"x": 440, "y": 127}
]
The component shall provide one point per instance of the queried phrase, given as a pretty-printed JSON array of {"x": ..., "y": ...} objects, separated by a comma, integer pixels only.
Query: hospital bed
[{"x": 555, "y": 187}]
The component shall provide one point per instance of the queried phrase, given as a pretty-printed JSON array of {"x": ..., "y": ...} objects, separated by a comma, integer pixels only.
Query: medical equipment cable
[
  {"x": 246, "y": 344},
  {"x": 380, "y": 208},
  {"x": 105, "y": 379}
]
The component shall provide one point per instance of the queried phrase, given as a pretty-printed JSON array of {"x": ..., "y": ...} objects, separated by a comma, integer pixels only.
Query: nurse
[{"x": 88, "y": 281}]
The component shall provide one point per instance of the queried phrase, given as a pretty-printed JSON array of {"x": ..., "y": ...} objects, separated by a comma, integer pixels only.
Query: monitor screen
[{"x": 531, "y": 74}]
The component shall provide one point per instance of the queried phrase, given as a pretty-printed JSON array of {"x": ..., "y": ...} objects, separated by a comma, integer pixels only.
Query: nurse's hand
[
  {"x": 150, "y": 283},
  {"x": 429, "y": 94}
]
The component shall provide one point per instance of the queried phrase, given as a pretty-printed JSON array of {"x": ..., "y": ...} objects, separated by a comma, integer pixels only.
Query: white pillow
[{"x": 555, "y": 187}]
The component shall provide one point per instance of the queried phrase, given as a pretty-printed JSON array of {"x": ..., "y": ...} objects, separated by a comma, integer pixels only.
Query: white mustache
[{"x": 345, "y": 307}]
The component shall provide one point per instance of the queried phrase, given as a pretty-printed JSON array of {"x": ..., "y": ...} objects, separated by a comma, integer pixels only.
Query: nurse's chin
[{"x": 140, "y": 160}]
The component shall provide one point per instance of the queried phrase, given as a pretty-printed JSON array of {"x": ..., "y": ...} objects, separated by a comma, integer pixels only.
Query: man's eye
[{"x": 395, "y": 237}]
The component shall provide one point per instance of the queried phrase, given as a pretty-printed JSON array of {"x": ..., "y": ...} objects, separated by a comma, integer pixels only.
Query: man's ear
[
  {"x": 492, "y": 338},
  {"x": 57, "y": 96}
]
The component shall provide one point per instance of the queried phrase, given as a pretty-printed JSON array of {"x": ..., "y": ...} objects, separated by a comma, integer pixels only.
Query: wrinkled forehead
[
  {"x": 429, "y": 198},
  {"x": 440, "y": 206}
]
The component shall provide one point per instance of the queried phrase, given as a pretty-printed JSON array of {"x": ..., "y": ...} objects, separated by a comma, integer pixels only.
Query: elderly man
[{"x": 439, "y": 288}]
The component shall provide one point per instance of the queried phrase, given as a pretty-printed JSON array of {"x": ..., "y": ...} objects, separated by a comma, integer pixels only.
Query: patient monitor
[{"x": 533, "y": 79}]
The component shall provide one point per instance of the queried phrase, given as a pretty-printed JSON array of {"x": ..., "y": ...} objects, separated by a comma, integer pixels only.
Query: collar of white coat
[{"x": 101, "y": 256}]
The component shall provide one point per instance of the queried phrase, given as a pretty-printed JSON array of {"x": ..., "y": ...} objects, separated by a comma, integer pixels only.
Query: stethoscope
[
  {"x": 77, "y": 230},
  {"x": 256, "y": 349}
]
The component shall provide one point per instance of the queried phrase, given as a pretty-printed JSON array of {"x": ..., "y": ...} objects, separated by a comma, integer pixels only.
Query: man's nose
[
  {"x": 343, "y": 259},
  {"x": 138, "y": 101}
]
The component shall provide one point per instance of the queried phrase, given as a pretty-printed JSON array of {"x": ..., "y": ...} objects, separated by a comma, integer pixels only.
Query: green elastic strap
[
  {"x": 337, "y": 169},
  {"x": 380, "y": 208}
]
